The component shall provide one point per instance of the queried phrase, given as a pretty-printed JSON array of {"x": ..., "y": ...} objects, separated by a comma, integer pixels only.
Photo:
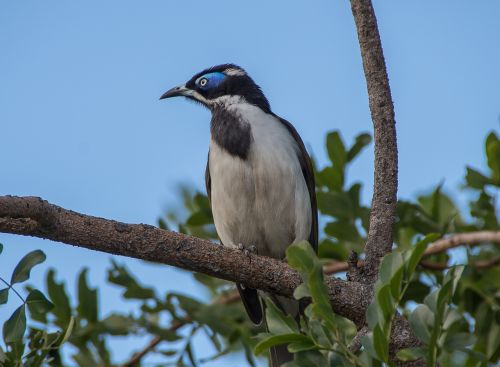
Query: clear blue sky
[{"x": 82, "y": 127}]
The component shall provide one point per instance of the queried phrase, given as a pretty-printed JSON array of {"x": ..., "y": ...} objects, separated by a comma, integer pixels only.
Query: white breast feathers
[{"x": 262, "y": 200}]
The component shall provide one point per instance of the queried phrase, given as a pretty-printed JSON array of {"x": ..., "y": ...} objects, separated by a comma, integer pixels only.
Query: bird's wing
[
  {"x": 208, "y": 181},
  {"x": 307, "y": 171},
  {"x": 249, "y": 296}
]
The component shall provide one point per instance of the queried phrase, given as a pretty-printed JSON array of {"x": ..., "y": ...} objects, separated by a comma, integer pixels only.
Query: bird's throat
[{"x": 231, "y": 132}]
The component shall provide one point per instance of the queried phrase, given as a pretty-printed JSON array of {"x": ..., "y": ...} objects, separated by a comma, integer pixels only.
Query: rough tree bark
[{"x": 385, "y": 184}]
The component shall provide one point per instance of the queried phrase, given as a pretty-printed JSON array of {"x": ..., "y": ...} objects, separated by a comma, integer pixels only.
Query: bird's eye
[{"x": 203, "y": 82}]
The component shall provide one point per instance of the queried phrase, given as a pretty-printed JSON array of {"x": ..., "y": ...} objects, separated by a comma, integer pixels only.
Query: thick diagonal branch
[
  {"x": 385, "y": 185},
  {"x": 33, "y": 216}
]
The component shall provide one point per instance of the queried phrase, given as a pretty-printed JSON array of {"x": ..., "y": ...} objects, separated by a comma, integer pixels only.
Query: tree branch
[
  {"x": 136, "y": 358},
  {"x": 33, "y": 216},
  {"x": 385, "y": 184},
  {"x": 441, "y": 245},
  {"x": 459, "y": 239},
  {"x": 480, "y": 264}
]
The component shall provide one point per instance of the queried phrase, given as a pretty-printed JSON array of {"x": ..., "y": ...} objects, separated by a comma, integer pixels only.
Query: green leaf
[
  {"x": 281, "y": 339},
  {"x": 3, "y": 357},
  {"x": 336, "y": 149},
  {"x": 450, "y": 282},
  {"x": 459, "y": 341},
  {"x": 367, "y": 342},
  {"x": 168, "y": 352},
  {"x": 200, "y": 218},
  {"x": 386, "y": 303},
  {"x": 162, "y": 223},
  {"x": 443, "y": 297},
  {"x": 15, "y": 326},
  {"x": 301, "y": 346},
  {"x": 87, "y": 298},
  {"x": 1, "y": 247},
  {"x": 391, "y": 272},
  {"x": 390, "y": 265},
  {"x": 117, "y": 324},
  {"x": 395, "y": 283},
  {"x": 493, "y": 154},
  {"x": 413, "y": 216},
  {"x": 22, "y": 270},
  {"x": 410, "y": 354},
  {"x": 455, "y": 273},
  {"x": 440, "y": 208},
  {"x": 37, "y": 303},
  {"x": 338, "y": 156},
  {"x": 189, "y": 304},
  {"x": 310, "y": 358},
  {"x": 422, "y": 322},
  {"x": 119, "y": 275},
  {"x": 59, "y": 297},
  {"x": 362, "y": 140},
  {"x": 318, "y": 332},
  {"x": 210, "y": 282},
  {"x": 201, "y": 200},
  {"x": 416, "y": 292},
  {"x": 431, "y": 300},
  {"x": 335, "y": 204},
  {"x": 331, "y": 178},
  {"x": 332, "y": 249},
  {"x": 374, "y": 315},
  {"x": 4, "y": 295},
  {"x": 277, "y": 321},
  {"x": 343, "y": 231},
  {"x": 476, "y": 180},
  {"x": 302, "y": 291},
  {"x": 475, "y": 356},
  {"x": 302, "y": 257},
  {"x": 380, "y": 344},
  {"x": 413, "y": 257}
]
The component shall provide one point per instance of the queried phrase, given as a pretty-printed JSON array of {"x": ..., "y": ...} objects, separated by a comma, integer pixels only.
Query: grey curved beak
[{"x": 180, "y": 90}]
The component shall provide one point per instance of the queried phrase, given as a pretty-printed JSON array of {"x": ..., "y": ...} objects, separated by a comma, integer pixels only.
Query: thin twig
[
  {"x": 223, "y": 299},
  {"x": 471, "y": 238},
  {"x": 355, "y": 343},
  {"x": 136, "y": 358},
  {"x": 479, "y": 264},
  {"x": 485, "y": 264},
  {"x": 13, "y": 289},
  {"x": 442, "y": 245}
]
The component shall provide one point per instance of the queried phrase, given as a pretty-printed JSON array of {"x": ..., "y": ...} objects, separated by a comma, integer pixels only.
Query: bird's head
[{"x": 220, "y": 86}]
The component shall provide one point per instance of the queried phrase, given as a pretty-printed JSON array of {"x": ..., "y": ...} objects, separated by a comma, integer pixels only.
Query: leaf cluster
[{"x": 455, "y": 312}]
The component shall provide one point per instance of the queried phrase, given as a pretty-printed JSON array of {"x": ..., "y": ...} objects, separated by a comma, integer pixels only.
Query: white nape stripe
[
  {"x": 234, "y": 72},
  {"x": 227, "y": 101}
]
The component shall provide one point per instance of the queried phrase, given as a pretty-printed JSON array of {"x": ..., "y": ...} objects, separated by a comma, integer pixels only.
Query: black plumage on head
[{"x": 236, "y": 83}]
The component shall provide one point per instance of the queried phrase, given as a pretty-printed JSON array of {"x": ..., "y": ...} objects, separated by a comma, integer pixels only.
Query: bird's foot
[{"x": 247, "y": 250}]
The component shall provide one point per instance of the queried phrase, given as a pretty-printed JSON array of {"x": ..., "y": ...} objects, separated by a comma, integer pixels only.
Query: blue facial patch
[{"x": 213, "y": 80}]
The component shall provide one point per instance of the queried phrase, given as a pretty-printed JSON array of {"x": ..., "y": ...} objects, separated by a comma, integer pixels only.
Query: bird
[{"x": 259, "y": 177}]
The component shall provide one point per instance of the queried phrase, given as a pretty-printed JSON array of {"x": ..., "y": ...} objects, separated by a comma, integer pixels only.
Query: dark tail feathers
[
  {"x": 279, "y": 355},
  {"x": 252, "y": 304}
]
